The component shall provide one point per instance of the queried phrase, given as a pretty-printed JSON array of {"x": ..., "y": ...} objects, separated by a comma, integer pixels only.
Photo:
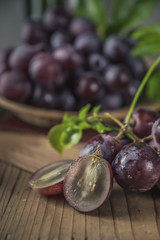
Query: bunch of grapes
[
  {"x": 87, "y": 181},
  {"x": 63, "y": 64}
]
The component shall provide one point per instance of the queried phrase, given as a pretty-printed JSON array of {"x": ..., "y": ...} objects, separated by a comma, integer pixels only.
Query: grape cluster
[{"x": 63, "y": 64}]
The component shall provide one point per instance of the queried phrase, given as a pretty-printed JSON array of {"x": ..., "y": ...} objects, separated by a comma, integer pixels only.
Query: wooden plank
[
  {"x": 31, "y": 152},
  {"x": 143, "y": 215}
]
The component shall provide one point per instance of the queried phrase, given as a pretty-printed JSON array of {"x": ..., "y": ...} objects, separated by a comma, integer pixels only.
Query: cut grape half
[
  {"x": 88, "y": 182},
  {"x": 48, "y": 180}
]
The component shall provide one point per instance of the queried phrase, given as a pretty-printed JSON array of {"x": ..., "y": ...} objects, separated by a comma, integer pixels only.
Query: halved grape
[
  {"x": 48, "y": 180},
  {"x": 88, "y": 182}
]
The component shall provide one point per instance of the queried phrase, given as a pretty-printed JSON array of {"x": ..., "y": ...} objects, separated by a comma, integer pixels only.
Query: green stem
[{"x": 140, "y": 89}]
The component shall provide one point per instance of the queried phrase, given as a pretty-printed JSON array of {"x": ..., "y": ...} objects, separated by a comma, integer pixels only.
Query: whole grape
[
  {"x": 80, "y": 25},
  {"x": 137, "y": 67},
  {"x": 44, "y": 98},
  {"x": 109, "y": 147},
  {"x": 89, "y": 87},
  {"x": 87, "y": 43},
  {"x": 66, "y": 100},
  {"x": 59, "y": 38},
  {"x": 97, "y": 62},
  {"x": 55, "y": 19},
  {"x": 117, "y": 77},
  {"x": 45, "y": 70},
  {"x": 14, "y": 85},
  {"x": 137, "y": 167},
  {"x": 33, "y": 32},
  {"x": 68, "y": 57},
  {"x": 143, "y": 120},
  {"x": 111, "y": 101},
  {"x": 116, "y": 49}
]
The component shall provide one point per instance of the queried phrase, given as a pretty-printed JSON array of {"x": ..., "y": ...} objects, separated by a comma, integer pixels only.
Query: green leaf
[
  {"x": 147, "y": 40},
  {"x": 153, "y": 87},
  {"x": 71, "y": 136},
  {"x": 96, "y": 11},
  {"x": 95, "y": 110},
  {"x": 83, "y": 112},
  {"x": 128, "y": 14},
  {"x": 100, "y": 127},
  {"x": 55, "y": 136}
]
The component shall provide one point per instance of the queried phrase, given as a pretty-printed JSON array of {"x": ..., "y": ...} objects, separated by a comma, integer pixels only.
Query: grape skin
[{"x": 137, "y": 167}]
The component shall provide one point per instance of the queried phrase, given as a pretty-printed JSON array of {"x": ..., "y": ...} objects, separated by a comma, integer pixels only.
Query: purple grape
[
  {"x": 66, "y": 100},
  {"x": 22, "y": 55},
  {"x": 89, "y": 87},
  {"x": 117, "y": 77},
  {"x": 116, "y": 49},
  {"x": 137, "y": 167},
  {"x": 143, "y": 121},
  {"x": 45, "y": 70},
  {"x": 131, "y": 90},
  {"x": 109, "y": 147},
  {"x": 156, "y": 133},
  {"x": 14, "y": 85},
  {"x": 44, "y": 98},
  {"x": 68, "y": 57},
  {"x": 59, "y": 38},
  {"x": 33, "y": 32},
  {"x": 55, "y": 19},
  {"x": 97, "y": 62},
  {"x": 4, "y": 55},
  {"x": 81, "y": 25},
  {"x": 137, "y": 67},
  {"x": 87, "y": 43}
]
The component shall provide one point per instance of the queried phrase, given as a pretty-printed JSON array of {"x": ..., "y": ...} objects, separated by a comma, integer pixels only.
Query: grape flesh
[
  {"x": 109, "y": 147},
  {"x": 156, "y": 133},
  {"x": 143, "y": 121},
  {"x": 137, "y": 167},
  {"x": 88, "y": 183}
]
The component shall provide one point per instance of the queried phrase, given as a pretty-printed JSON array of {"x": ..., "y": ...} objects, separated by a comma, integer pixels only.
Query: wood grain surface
[{"x": 26, "y": 215}]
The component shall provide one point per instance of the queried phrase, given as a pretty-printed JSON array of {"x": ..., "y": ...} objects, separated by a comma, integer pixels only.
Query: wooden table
[{"x": 26, "y": 215}]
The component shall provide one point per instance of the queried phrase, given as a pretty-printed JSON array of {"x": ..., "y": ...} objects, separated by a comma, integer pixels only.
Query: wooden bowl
[{"x": 47, "y": 118}]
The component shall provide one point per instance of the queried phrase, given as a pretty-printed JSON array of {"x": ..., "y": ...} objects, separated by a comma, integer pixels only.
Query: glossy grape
[
  {"x": 109, "y": 147},
  {"x": 89, "y": 87},
  {"x": 68, "y": 57},
  {"x": 14, "y": 85},
  {"x": 117, "y": 77},
  {"x": 116, "y": 49},
  {"x": 137, "y": 167},
  {"x": 111, "y": 101},
  {"x": 97, "y": 62},
  {"x": 143, "y": 120},
  {"x": 87, "y": 43},
  {"x": 55, "y": 18},
  {"x": 45, "y": 70},
  {"x": 66, "y": 101}
]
